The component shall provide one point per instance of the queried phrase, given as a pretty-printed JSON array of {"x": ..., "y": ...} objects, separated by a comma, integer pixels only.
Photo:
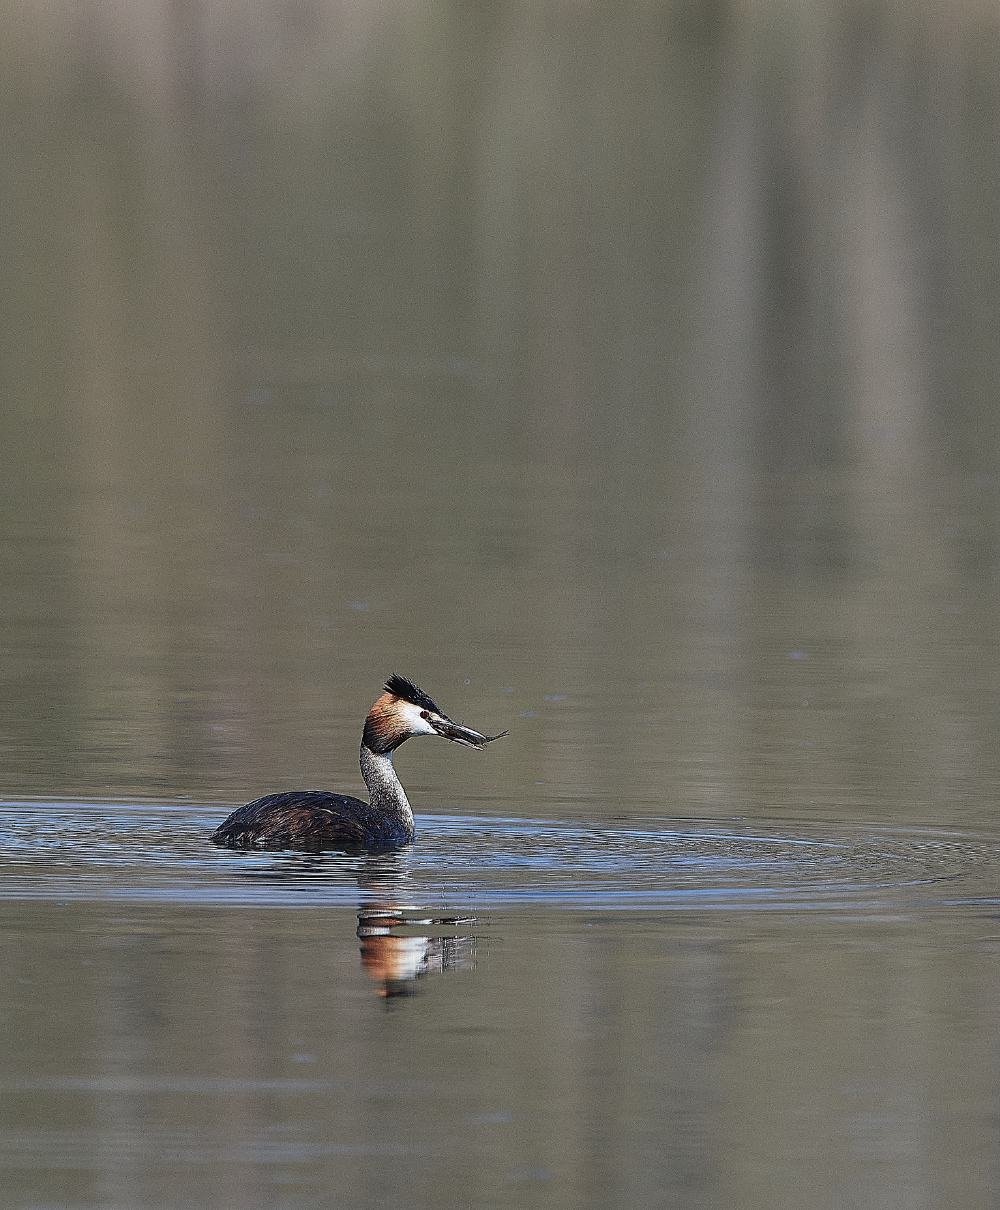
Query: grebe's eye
[{"x": 424, "y": 714}]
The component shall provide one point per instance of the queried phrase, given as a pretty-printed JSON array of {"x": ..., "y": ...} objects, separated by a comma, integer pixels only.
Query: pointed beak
[{"x": 462, "y": 735}]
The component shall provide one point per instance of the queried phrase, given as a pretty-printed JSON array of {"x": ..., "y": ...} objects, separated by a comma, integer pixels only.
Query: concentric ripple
[{"x": 67, "y": 850}]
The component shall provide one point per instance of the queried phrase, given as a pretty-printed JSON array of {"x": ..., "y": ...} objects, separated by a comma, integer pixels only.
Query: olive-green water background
[{"x": 626, "y": 375}]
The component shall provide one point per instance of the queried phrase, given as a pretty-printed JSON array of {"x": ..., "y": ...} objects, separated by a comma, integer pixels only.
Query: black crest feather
[{"x": 405, "y": 689}]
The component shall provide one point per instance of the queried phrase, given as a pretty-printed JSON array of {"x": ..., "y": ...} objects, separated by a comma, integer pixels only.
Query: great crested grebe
[{"x": 314, "y": 819}]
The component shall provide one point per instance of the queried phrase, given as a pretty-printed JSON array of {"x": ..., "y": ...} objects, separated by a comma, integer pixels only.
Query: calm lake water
[{"x": 625, "y": 374}]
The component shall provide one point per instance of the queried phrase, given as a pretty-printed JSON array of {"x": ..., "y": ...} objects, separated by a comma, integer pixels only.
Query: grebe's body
[{"x": 313, "y": 819}]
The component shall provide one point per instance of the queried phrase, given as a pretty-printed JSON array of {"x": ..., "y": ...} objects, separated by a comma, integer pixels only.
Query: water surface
[
  {"x": 625, "y": 374},
  {"x": 514, "y": 1011}
]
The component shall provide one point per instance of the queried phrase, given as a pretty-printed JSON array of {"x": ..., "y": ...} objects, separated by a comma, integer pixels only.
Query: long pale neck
[{"x": 384, "y": 790}]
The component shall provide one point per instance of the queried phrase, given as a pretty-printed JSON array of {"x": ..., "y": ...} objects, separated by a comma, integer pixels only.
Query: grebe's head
[{"x": 404, "y": 711}]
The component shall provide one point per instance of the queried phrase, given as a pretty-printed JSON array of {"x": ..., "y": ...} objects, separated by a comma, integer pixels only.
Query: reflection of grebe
[
  {"x": 395, "y": 961},
  {"x": 313, "y": 818}
]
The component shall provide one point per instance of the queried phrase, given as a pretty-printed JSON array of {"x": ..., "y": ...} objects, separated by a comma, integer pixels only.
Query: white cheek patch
[{"x": 410, "y": 720}]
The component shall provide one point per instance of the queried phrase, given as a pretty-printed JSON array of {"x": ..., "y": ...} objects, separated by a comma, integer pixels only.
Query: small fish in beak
[{"x": 459, "y": 734}]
